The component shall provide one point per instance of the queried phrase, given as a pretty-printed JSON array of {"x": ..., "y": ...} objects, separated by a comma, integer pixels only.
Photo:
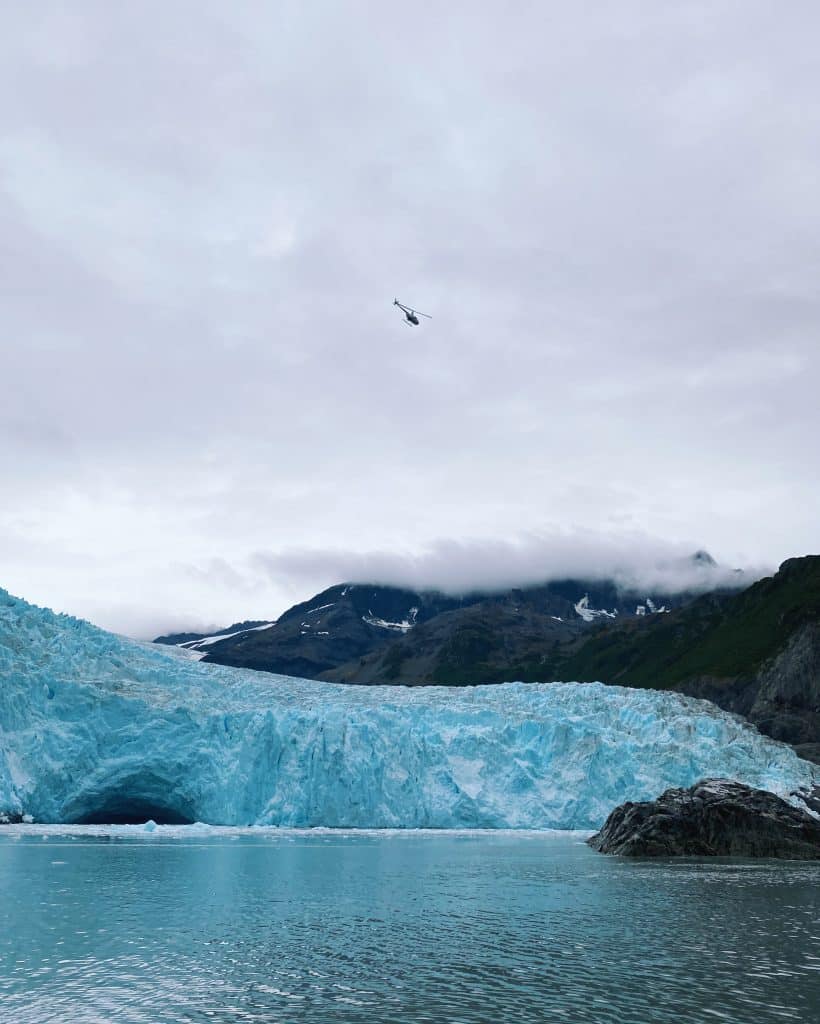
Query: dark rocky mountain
[
  {"x": 501, "y": 637},
  {"x": 713, "y": 818},
  {"x": 341, "y": 624},
  {"x": 340, "y": 633}
]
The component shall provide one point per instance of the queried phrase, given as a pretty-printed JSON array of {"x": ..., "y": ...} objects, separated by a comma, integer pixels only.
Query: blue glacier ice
[{"x": 93, "y": 726}]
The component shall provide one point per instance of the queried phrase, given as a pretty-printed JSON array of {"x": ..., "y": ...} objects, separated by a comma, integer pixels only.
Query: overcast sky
[{"x": 208, "y": 406}]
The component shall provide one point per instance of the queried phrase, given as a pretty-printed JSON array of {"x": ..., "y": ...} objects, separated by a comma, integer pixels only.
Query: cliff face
[{"x": 787, "y": 693}]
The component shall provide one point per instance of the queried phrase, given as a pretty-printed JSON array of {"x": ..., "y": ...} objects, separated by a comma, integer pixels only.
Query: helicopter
[{"x": 411, "y": 316}]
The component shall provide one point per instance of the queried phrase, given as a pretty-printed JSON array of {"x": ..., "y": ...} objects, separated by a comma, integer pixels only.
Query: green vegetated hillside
[{"x": 724, "y": 637}]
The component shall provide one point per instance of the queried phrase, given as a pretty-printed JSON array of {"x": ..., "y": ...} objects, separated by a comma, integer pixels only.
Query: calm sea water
[{"x": 288, "y": 926}]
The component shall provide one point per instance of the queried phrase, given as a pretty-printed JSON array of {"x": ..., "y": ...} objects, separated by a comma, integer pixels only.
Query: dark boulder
[{"x": 715, "y": 817}]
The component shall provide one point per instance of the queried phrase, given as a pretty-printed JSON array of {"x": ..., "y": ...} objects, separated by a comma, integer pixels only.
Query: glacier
[{"x": 95, "y": 727}]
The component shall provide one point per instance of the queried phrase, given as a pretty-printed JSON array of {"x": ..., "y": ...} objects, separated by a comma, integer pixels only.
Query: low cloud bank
[{"x": 459, "y": 567}]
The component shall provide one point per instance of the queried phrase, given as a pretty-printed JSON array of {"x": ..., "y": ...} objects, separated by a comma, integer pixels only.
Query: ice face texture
[{"x": 94, "y": 727}]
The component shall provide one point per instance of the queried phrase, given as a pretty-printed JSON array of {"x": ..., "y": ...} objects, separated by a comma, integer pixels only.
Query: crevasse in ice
[{"x": 94, "y": 727}]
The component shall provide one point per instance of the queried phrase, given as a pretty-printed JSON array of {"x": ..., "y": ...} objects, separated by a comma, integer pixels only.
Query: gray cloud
[
  {"x": 205, "y": 213},
  {"x": 633, "y": 560}
]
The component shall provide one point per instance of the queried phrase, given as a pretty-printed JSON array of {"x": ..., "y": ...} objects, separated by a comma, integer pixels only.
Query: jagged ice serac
[{"x": 97, "y": 728}]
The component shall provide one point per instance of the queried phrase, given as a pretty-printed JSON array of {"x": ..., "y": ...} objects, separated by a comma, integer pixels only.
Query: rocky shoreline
[{"x": 713, "y": 818}]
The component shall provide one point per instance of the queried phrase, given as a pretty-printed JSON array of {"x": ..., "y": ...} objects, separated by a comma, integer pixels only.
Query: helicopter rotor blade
[{"x": 409, "y": 309}]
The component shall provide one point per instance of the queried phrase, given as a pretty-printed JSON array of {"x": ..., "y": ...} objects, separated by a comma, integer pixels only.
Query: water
[{"x": 230, "y": 925}]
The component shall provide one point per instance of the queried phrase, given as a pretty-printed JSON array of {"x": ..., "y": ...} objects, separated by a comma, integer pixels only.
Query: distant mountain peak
[{"x": 703, "y": 558}]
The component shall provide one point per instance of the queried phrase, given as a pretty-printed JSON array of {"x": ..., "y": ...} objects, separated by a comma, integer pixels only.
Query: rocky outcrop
[{"x": 715, "y": 817}]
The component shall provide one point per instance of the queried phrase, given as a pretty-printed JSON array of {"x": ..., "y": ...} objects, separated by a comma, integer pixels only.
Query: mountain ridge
[{"x": 348, "y": 622}]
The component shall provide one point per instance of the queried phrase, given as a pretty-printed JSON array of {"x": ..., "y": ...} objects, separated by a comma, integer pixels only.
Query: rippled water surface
[{"x": 187, "y": 925}]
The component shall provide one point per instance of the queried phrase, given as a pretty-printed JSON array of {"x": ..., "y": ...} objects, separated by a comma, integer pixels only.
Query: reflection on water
[{"x": 283, "y": 926}]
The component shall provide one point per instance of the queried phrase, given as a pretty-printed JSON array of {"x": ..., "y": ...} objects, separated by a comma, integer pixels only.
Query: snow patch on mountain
[
  {"x": 649, "y": 607},
  {"x": 321, "y": 608},
  {"x": 207, "y": 641},
  {"x": 588, "y": 614},
  {"x": 397, "y": 627}
]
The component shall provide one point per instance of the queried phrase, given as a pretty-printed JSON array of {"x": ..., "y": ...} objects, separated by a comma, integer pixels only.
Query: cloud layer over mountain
[{"x": 462, "y": 566}]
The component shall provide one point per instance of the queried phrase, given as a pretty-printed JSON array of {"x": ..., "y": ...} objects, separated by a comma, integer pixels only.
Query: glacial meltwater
[{"x": 188, "y": 924}]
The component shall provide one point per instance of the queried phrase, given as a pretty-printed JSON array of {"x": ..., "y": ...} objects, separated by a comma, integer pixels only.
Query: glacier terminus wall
[{"x": 96, "y": 728}]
